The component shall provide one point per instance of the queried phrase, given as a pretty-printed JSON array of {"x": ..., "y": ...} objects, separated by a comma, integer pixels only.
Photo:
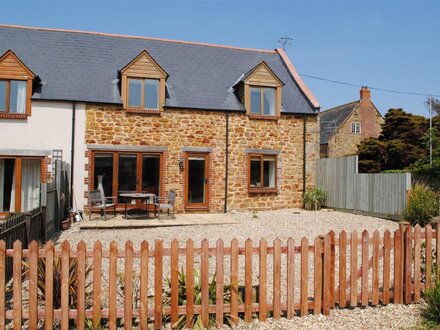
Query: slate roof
[
  {"x": 331, "y": 119},
  {"x": 79, "y": 66}
]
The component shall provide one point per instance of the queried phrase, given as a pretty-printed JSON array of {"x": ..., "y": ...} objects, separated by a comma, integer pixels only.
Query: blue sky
[{"x": 388, "y": 44}]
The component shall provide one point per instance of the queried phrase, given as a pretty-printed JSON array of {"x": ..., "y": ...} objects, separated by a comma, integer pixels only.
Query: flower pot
[{"x": 65, "y": 224}]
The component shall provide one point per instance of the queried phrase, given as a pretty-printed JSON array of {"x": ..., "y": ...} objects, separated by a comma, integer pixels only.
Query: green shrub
[
  {"x": 315, "y": 199},
  {"x": 422, "y": 206},
  {"x": 431, "y": 312},
  {"x": 196, "y": 320}
]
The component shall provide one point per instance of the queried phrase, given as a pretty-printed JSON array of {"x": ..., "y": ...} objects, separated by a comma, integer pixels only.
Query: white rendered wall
[{"x": 50, "y": 127}]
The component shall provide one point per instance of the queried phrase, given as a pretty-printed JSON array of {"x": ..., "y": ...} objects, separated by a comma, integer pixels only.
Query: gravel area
[
  {"x": 280, "y": 224},
  {"x": 284, "y": 223},
  {"x": 380, "y": 317}
]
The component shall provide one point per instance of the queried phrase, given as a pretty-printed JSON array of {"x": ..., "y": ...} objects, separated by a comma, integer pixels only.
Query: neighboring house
[
  {"x": 344, "y": 127},
  {"x": 225, "y": 127}
]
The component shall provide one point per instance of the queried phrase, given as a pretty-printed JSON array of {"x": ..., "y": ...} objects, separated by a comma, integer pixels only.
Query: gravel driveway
[{"x": 281, "y": 224}]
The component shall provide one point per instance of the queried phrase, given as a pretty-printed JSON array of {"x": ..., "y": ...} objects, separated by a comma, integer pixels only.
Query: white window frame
[{"x": 356, "y": 127}]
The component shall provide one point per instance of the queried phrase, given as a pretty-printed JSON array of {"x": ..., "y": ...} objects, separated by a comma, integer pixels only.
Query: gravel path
[
  {"x": 284, "y": 223},
  {"x": 281, "y": 224},
  {"x": 381, "y": 317}
]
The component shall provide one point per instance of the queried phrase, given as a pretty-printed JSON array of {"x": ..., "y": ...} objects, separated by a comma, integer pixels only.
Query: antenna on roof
[{"x": 285, "y": 41}]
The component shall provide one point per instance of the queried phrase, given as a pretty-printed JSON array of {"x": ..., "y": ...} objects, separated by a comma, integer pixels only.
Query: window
[
  {"x": 127, "y": 172},
  {"x": 143, "y": 93},
  {"x": 13, "y": 96},
  {"x": 356, "y": 128},
  {"x": 143, "y": 85},
  {"x": 263, "y": 101},
  {"x": 20, "y": 180},
  {"x": 15, "y": 87},
  {"x": 262, "y": 173}
]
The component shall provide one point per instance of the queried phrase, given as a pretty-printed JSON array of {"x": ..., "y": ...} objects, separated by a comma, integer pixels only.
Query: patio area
[{"x": 185, "y": 219}]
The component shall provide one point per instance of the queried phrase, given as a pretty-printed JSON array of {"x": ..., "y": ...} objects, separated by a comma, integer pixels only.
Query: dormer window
[
  {"x": 15, "y": 87},
  {"x": 263, "y": 101},
  {"x": 260, "y": 92},
  {"x": 143, "y": 85},
  {"x": 143, "y": 93}
]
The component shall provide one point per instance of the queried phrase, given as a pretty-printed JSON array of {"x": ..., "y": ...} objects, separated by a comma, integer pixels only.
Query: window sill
[
  {"x": 254, "y": 190},
  {"x": 262, "y": 117},
  {"x": 5, "y": 115},
  {"x": 143, "y": 111}
]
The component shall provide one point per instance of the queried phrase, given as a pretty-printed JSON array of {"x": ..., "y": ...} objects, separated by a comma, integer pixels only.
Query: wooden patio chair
[
  {"x": 102, "y": 203},
  {"x": 165, "y": 204}
]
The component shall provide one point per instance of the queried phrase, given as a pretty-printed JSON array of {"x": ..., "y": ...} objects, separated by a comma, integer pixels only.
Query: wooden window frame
[
  {"x": 262, "y": 189},
  {"x": 115, "y": 173},
  {"x": 18, "y": 178},
  {"x": 7, "y": 114},
  {"x": 194, "y": 206},
  {"x": 142, "y": 108},
  {"x": 131, "y": 71},
  {"x": 262, "y": 114},
  {"x": 354, "y": 126},
  {"x": 20, "y": 73}
]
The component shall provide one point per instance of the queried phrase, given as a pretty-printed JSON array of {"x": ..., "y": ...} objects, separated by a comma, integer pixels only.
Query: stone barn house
[
  {"x": 225, "y": 127},
  {"x": 344, "y": 127}
]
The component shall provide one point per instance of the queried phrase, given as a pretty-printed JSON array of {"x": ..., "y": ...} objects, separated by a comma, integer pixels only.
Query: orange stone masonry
[{"x": 175, "y": 129}]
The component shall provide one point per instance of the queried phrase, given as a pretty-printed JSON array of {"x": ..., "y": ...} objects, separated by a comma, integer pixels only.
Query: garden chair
[
  {"x": 165, "y": 203},
  {"x": 99, "y": 202}
]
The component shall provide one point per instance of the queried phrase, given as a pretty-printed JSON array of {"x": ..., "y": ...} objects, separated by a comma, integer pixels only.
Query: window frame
[
  {"x": 262, "y": 88},
  {"x": 21, "y": 73},
  {"x": 354, "y": 128},
  {"x": 141, "y": 107},
  {"x": 115, "y": 180},
  {"x": 262, "y": 189},
  {"x": 18, "y": 178}
]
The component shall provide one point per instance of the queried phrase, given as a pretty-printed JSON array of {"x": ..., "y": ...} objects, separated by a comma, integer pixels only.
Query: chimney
[{"x": 365, "y": 93}]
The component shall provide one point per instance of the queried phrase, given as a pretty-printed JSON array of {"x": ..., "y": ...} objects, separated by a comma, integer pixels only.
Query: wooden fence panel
[
  {"x": 428, "y": 255},
  {"x": 263, "y": 280},
  {"x": 276, "y": 278},
  {"x": 377, "y": 194},
  {"x": 190, "y": 282},
  {"x": 248, "y": 281},
  {"x": 342, "y": 269},
  {"x": 353, "y": 269},
  {"x": 219, "y": 283},
  {"x": 304, "y": 276},
  {"x": 113, "y": 273},
  {"x": 290, "y": 278},
  {"x": 406, "y": 285},
  {"x": 144, "y": 286},
  {"x": 318, "y": 262}
]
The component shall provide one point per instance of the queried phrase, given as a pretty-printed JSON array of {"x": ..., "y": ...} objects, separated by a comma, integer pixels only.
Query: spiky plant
[
  {"x": 196, "y": 320},
  {"x": 56, "y": 293}
]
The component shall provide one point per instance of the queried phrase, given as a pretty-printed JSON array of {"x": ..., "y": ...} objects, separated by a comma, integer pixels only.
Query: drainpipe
[
  {"x": 304, "y": 152},
  {"x": 227, "y": 161},
  {"x": 72, "y": 152}
]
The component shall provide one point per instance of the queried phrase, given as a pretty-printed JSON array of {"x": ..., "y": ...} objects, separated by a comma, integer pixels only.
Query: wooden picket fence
[{"x": 292, "y": 279}]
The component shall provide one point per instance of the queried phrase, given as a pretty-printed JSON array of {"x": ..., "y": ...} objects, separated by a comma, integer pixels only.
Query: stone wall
[
  {"x": 175, "y": 129},
  {"x": 344, "y": 142}
]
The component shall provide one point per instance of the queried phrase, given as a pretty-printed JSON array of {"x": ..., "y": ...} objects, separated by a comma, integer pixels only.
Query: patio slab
[{"x": 187, "y": 219}]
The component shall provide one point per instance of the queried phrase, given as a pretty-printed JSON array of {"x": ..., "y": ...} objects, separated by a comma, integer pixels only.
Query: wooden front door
[{"x": 197, "y": 181}]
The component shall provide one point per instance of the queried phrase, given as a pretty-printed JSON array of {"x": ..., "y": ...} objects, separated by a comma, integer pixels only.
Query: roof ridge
[
  {"x": 107, "y": 34},
  {"x": 340, "y": 106}
]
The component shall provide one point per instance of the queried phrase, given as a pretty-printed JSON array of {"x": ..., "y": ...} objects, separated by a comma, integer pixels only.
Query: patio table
[{"x": 137, "y": 196}]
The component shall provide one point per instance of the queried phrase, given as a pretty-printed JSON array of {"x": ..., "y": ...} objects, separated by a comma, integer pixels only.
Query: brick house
[
  {"x": 344, "y": 127},
  {"x": 225, "y": 127}
]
